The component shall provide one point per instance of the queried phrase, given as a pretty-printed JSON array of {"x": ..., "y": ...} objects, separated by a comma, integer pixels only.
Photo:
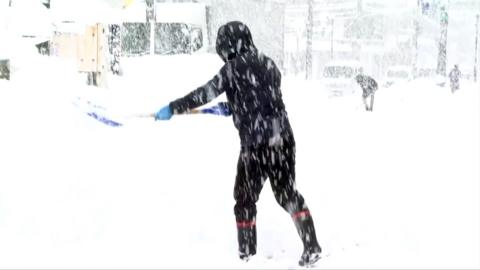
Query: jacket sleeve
[{"x": 203, "y": 94}]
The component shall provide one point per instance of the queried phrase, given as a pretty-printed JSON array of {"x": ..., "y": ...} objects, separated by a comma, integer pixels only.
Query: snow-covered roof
[
  {"x": 29, "y": 18},
  {"x": 85, "y": 11},
  {"x": 91, "y": 11},
  {"x": 69, "y": 27},
  {"x": 193, "y": 13}
]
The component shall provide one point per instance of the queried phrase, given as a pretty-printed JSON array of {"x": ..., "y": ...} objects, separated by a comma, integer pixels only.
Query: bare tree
[
  {"x": 308, "y": 53},
  {"x": 442, "y": 43}
]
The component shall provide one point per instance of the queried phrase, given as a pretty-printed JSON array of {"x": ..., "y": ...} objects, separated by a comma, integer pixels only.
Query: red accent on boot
[
  {"x": 299, "y": 214},
  {"x": 245, "y": 224}
]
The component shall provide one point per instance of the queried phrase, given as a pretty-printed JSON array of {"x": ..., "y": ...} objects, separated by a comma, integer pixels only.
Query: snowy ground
[{"x": 395, "y": 188}]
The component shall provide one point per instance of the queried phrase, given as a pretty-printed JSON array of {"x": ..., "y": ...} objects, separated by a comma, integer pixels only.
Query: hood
[
  {"x": 360, "y": 78},
  {"x": 233, "y": 38}
]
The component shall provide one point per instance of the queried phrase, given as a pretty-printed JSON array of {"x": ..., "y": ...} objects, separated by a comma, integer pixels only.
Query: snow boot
[
  {"x": 306, "y": 230},
  {"x": 310, "y": 256},
  {"x": 247, "y": 239}
]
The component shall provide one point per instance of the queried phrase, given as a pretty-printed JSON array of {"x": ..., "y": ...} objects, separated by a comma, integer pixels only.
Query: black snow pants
[{"x": 277, "y": 163}]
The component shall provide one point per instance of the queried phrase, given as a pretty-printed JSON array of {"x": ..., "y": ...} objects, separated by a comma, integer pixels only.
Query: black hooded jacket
[
  {"x": 367, "y": 83},
  {"x": 251, "y": 82}
]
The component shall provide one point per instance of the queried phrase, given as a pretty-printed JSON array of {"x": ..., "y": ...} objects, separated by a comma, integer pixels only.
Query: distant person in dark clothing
[
  {"x": 5, "y": 69},
  {"x": 369, "y": 86},
  {"x": 454, "y": 76},
  {"x": 251, "y": 82}
]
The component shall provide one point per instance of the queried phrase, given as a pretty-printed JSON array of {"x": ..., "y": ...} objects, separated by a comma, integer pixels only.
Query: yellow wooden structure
[{"x": 92, "y": 53}]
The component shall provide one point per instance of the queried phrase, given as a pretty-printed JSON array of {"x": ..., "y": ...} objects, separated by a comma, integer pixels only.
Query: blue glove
[{"x": 164, "y": 113}]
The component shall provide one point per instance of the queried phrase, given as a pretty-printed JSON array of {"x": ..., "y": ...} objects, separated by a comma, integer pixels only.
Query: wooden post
[
  {"x": 150, "y": 14},
  {"x": 91, "y": 56},
  {"x": 102, "y": 48}
]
